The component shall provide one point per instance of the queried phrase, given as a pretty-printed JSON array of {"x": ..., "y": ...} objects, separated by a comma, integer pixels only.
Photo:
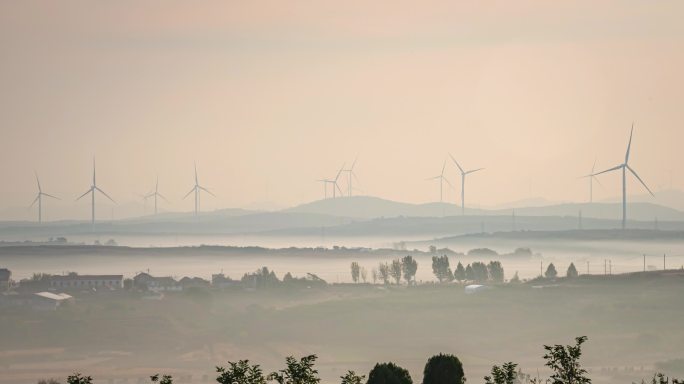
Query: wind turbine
[
  {"x": 441, "y": 179},
  {"x": 197, "y": 189},
  {"x": 94, "y": 188},
  {"x": 625, "y": 167},
  {"x": 463, "y": 178},
  {"x": 155, "y": 194},
  {"x": 591, "y": 178},
  {"x": 350, "y": 176},
  {"x": 39, "y": 200}
]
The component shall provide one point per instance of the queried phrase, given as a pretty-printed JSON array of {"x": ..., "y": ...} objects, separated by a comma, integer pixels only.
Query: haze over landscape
[{"x": 463, "y": 189}]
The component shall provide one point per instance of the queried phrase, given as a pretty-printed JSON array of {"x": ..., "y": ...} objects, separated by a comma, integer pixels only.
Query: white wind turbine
[
  {"x": 350, "y": 176},
  {"x": 463, "y": 178},
  {"x": 155, "y": 195},
  {"x": 197, "y": 188},
  {"x": 39, "y": 200},
  {"x": 94, "y": 188},
  {"x": 441, "y": 179},
  {"x": 625, "y": 167},
  {"x": 591, "y": 178}
]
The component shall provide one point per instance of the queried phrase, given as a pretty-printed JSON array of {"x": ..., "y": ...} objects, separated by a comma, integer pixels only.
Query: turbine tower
[
  {"x": 335, "y": 185},
  {"x": 197, "y": 189},
  {"x": 463, "y": 178},
  {"x": 94, "y": 188},
  {"x": 441, "y": 179},
  {"x": 39, "y": 200},
  {"x": 625, "y": 167},
  {"x": 155, "y": 194}
]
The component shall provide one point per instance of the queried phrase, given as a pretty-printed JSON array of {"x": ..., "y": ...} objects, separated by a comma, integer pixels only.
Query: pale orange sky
[{"x": 268, "y": 96}]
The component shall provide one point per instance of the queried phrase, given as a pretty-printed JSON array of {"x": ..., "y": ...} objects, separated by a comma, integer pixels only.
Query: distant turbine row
[{"x": 197, "y": 189}]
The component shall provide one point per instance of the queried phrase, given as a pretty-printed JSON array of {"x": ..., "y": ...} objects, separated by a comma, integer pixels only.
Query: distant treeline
[{"x": 562, "y": 360}]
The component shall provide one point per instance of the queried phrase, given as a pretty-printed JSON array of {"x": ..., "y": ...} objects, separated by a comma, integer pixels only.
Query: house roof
[
  {"x": 86, "y": 277},
  {"x": 53, "y": 296}
]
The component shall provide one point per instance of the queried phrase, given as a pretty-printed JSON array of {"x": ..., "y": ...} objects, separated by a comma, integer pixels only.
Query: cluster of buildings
[{"x": 49, "y": 292}]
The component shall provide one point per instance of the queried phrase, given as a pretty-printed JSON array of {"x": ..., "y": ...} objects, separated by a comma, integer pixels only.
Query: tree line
[{"x": 562, "y": 360}]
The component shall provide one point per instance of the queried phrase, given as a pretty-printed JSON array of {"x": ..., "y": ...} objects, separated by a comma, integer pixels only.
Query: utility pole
[
  {"x": 644, "y": 262},
  {"x": 587, "y": 267},
  {"x": 605, "y": 267},
  {"x": 541, "y": 268},
  {"x": 610, "y": 267},
  {"x": 663, "y": 261}
]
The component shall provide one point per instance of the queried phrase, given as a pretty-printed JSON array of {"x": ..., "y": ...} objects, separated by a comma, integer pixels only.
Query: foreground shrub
[
  {"x": 297, "y": 372},
  {"x": 443, "y": 369},
  {"x": 240, "y": 373},
  {"x": 389, "y": 373}
]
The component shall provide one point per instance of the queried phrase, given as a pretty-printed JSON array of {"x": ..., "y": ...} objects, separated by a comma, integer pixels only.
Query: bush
[
  {"x": 389, "y": 373},
  {"x": 443, "y": 369}
]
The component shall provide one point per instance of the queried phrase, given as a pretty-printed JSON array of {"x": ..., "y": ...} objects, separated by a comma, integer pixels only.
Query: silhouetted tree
[
  {"x": 240, "y": 372},
  {"x": 572, "y": 271},
  {"x": 166, "y": 379},
  {"x": 48, "y": 381},
  {"x": 440, "y": 268},
  {"x": 496, "y": 271},
  {"x": 297, "y": 372},
  {"x": 480, "y": 273},
  {"x": 443, "y": 369},
  {"x": 469, "y": 273},
  {"x": 364, "y": 274},
  {"x": 395, "y": 270},
  {"x": 551, "y": 272},
  {"x": 355, "y": 271},
  {"x": 374, "y": 275},
  {"x": 515, "y": 279},
  {"x": 460, "y": 272},
  {"x": 384, "y": 272},
  {"x": 77, "y": 378},
  {"x": 389, "y": 373},
  {"x": 505, "y": 374},
  {"x": 564, "y": 362},
  {"x": 409, "y": 267},
  {"x": 352, "y": 378}
]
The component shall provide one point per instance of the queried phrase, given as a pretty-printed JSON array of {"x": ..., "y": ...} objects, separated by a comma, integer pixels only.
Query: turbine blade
[
  {"x": 354, "y": 163},
  {"x": 106, "y": 195},
  {"x": 434, "y": 178},
  {"x": 48, "y": 195},
  {"x": 473, "y": 171},
  {"x": 456, "y": 162},
  {"x": 629, "y": 145},
  {"x": 38, "y": 182},
  {"x": 609, "y": 170},
  {"x": 94, "y": 171},
  {"x": 339, "y": 172},
  {"x": 196, "y": 179},
  {"x": 641, "y": 181},
  {"x": 443, "y": 167},
  {"x": 205, "y": 190},
  {"x": 87, "y": 192},
  {"x": 34, "y": 201},
  {"x": 593, "y": 167},
  {"x": 447, "y": 181},
  {"x": 162, "y": 196},
  {"x": 598, "y": 181},
  {"x": 191, "y": 191},
  {"x": 338, "y": 188}
]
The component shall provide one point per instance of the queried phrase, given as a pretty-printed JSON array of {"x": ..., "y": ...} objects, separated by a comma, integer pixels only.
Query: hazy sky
[{"x": 268, "y": 96}]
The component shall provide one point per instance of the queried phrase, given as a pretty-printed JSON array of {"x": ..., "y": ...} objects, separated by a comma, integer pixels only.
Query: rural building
[
  {"x": 220, "y": 280},
  {"x": 5, "y": 277},
  {"x": 40, "y": 301},
  {"x": 157, "y": 284},
  {"x": 188, "y": 282},
  {"x": 74, "y": 281}
]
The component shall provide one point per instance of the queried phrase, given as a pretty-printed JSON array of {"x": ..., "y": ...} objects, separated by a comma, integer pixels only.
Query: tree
[
  {"x": 389, "y": 373},
  {"x": 364, "y": 274},
  {"x": 395, "y": 270},
  {"x": 443, "y": 369},
  {"x": 460, "y": 272},
  {"x": 480, "y": 273},
  {"x": 496, "y": 271},
  {"x": 374, "y": 275},
  {"x": 355, "y": 271},
  {"x": 77, "y": 378},
  {"x": 440, "y": 268},
  {"x": 297, "y": 372},
  {"x": 551, "y": 272},
  {"x": 409, "y": 267},
  {"x": 515, "y": 279},
  {"x": 352, "y": 378},
  {"x": 240, "y": 372},
  {"x": 505, "y": 374},
  {"x": 564, "y": 362},
  {"x": 469, "y": 273},
  {"x": 383, "y": 270},
  {"x": 572, "y": 271},
  {"x": 433, "y": 249},
  {"x": 166, "y": 379}
]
